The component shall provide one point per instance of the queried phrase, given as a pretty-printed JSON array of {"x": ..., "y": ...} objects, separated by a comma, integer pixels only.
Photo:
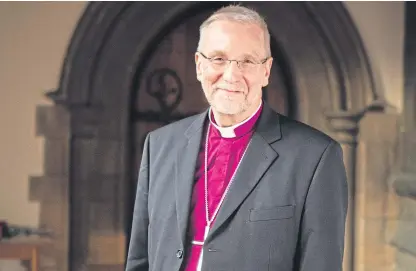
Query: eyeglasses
[{"x": 219, "y": 63}]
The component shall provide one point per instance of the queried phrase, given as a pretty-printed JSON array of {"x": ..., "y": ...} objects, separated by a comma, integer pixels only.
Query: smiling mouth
[{"x": 229, "y": 90}]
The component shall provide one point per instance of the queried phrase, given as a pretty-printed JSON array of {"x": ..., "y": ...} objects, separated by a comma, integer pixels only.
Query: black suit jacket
[{"x": 285, "y": 210}]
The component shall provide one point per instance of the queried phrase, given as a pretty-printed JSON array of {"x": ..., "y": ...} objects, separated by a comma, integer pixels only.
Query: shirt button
[{"x": 179, "y": 253}]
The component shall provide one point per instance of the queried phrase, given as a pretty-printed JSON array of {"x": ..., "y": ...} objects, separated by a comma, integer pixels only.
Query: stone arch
[{"x": 327, "y": 69}]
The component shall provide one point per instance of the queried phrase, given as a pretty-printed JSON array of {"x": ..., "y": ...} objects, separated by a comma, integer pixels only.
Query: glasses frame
[{"x": 238, "y": 62}]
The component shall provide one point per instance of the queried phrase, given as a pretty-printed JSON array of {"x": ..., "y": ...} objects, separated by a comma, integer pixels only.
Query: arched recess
[{"x": 89, "y": 128}]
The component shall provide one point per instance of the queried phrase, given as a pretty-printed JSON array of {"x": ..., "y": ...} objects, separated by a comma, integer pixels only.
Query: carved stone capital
[{"x": 345, "y": 123}]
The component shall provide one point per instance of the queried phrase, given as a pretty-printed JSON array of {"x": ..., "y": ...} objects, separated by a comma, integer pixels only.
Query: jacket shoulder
[
  {"x": 299, "y": 132},
  {"x": 176, "y": 128}
]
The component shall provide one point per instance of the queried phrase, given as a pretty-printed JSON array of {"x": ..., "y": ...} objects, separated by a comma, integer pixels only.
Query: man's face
[{"x": 231, "y": 89}]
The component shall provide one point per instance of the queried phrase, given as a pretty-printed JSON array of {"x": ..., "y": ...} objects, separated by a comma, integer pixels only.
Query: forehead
[{"x": 233, "y": 39}]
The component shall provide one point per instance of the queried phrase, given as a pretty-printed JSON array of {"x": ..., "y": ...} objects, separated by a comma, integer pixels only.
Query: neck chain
[{"x": 208, "y": 220}]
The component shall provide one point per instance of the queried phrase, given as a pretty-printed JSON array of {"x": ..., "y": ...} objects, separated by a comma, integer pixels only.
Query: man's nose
[{"x": 232, "y": 72}]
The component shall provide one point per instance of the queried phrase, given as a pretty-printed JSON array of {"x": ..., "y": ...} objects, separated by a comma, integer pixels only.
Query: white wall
[{"x": 33, "y": 40}]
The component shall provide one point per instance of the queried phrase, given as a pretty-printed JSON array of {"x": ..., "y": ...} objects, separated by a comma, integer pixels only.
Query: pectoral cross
[{"x": 206, "y": 232}]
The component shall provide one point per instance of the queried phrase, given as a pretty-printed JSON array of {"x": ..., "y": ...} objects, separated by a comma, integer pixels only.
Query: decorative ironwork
[
  {"x": 158, "y": 86},
  {"x": 166, "y": 87}
]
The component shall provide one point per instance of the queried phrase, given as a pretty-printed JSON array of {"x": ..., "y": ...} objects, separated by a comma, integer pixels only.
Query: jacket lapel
[
  {"x": 187, "y": 156},
  {"x": 258, "y": 158}
]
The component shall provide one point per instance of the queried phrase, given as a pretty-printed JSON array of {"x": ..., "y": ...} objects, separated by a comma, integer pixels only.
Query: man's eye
[
  {"x": 218, "y": 59},
  {"x": 248, "y": 61}
]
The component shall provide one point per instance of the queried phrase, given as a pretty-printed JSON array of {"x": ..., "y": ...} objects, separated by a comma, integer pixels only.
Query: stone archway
[{"x": 88, "y": 132}]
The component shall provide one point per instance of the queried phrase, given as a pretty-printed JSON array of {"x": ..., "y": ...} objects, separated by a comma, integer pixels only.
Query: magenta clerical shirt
[{"x": 226, "y": 146}]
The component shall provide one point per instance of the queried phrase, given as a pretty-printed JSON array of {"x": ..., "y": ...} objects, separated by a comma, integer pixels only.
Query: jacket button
[{"x": 179, "y": 253}]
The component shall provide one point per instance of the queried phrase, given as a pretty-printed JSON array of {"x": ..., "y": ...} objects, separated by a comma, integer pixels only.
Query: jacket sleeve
[
  {"x": 321, "y": 243},
  {"x": 137, "y": 257}
]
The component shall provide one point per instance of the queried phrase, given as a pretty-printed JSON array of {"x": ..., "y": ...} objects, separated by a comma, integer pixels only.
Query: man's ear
[
  {"x": 267, "y": 70},
  {"x": 198, "y": 66}
]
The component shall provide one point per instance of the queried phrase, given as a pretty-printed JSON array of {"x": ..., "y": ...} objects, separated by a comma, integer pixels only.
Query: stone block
[
  {"x": 376, "y": 160},
  {"x": 103, "y": 216},
  {"x": 85, "y": 121},
  {"x": 48, "y": 189},
  {"x": 379, "y": 127},
  {"x": 106, "y": 249},
  {"x": 104, "y": 188},
  {"x": 56, "y": 157},
  {"x": 111, "y": 126},
  {"x": 109, "y": 159},
  {"x": 54, "y": 216},
  {"x": 52, "y": 121},
  {"x": 372, "y": 249},
  {"x": 83, "y": 155}
]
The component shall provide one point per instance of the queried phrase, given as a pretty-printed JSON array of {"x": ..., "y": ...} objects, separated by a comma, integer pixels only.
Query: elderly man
[{"x": 238, "y": 187}]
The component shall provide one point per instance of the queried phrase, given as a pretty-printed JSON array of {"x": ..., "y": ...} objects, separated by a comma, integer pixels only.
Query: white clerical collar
[{"x": 229, "y": 132}]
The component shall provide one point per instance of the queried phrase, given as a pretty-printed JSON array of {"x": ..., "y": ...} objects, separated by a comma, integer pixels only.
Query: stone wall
[
  {"x": 405, "y": 181},
  {"x": 376, "y": 201}
]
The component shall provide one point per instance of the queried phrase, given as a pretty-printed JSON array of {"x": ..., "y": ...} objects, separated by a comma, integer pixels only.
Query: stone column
[
  {"x": 52, "y": 189},
  {"x": 345, "y": 125},
  {"x": 405, "y": 180}
]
